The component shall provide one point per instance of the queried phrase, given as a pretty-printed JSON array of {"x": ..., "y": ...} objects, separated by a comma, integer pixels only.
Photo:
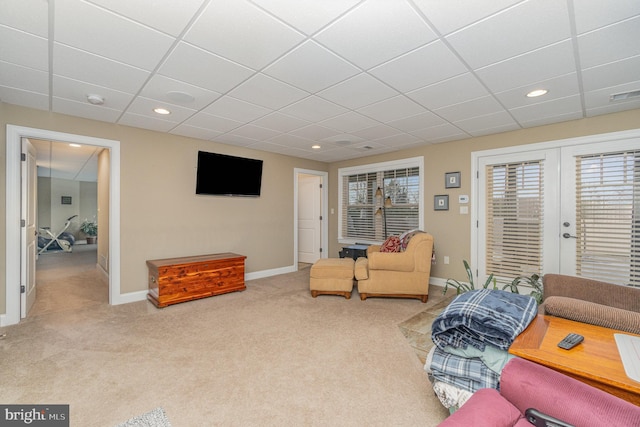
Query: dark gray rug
[{"x": 155, "y": 418}]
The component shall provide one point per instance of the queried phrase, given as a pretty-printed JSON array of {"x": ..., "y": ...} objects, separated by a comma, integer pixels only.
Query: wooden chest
[{"x": 175, "y": 280}]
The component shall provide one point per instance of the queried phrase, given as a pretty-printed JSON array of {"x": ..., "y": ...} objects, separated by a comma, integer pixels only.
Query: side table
[{"x": 354, "y": 251}]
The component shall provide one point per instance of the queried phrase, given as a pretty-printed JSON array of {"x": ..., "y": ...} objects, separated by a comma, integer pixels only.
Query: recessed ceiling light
[
  {"x": 537, "y": 92},
  {"x": 316, "y": 146},
  {"x": 162, "y": 111},
  {"x": 75, "y": 145}
]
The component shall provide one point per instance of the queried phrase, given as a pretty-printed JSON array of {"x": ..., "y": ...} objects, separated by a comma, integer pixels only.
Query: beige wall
[
  {"x": 450, "y": 229},
  {"x": 161, "y": 216}
]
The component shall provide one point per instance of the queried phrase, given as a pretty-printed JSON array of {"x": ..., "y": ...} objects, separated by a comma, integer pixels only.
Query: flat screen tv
[{"x": 224, "y": 175}]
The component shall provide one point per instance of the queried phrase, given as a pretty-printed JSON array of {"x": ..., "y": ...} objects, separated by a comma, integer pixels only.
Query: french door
[{"x": 569, "y": 207}]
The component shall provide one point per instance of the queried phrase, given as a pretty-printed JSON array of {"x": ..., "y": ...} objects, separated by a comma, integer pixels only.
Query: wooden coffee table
[{"x": 596, "y": 361}]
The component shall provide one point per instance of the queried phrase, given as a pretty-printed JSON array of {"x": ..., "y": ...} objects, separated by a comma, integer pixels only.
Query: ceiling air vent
[{"x": 624, "y": 96}]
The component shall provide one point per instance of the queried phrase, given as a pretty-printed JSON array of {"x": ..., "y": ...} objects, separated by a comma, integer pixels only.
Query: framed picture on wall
[
  {"x": 452, "y": 180},
  {"x": 441, "y": 202}
]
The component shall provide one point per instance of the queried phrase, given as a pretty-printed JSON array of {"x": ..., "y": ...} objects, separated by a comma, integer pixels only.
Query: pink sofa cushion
[{"x": 485, "y": 408}]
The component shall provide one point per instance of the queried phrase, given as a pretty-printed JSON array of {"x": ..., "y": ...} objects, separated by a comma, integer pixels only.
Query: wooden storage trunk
[{"x": 175, "y": 280}]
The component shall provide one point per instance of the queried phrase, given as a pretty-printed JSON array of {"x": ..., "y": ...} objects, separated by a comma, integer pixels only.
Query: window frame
[{"x": 380, "y": 167}]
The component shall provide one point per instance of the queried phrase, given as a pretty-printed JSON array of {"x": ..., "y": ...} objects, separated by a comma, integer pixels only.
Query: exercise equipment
[{"x": 63, "y": 240}]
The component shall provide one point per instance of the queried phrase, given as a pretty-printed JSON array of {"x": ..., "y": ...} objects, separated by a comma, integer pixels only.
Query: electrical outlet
[{"x": 446, "y": 260}]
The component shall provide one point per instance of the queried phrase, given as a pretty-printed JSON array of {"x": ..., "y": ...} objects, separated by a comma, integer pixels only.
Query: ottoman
[{"x": 332, "y": 276}]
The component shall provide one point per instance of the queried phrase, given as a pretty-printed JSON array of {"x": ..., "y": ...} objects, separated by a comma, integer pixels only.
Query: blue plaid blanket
[
  {"x": 467, "y": 373},
  {"x": 481, "y": 317}
]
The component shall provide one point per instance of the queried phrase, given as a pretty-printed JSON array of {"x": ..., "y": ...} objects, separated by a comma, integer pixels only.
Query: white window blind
[
  {"x": 359, "y": 204},
  {"x": 514, "y": 215},
  {"x": 607, "y": 215}
]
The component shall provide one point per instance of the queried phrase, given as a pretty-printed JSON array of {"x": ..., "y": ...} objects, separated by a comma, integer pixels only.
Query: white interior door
[
  {"x": 309, "y": 218},
  {"x": 29, "y": 235}
]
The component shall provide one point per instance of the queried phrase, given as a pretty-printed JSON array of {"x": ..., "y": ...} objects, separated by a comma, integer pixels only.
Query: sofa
[
  {"x": 524, "y": 385},
  {"x": 402, "y": 274},
  {"x": 591, "y": 301}
]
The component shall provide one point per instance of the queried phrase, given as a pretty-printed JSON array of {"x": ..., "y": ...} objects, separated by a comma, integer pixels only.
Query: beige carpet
[{"x": 268, "y": 356}]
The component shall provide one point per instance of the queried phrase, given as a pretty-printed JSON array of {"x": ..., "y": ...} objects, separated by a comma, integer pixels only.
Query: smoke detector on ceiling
[{"x": 95, "y": 99}]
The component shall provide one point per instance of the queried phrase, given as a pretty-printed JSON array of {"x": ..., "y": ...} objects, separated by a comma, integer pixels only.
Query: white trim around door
[
  {"x": 13, "y": 214},
  {"x": 324, "y": 231}
]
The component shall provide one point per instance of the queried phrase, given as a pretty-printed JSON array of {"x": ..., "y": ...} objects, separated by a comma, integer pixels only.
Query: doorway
[
  {"x": 566, "y": 207},
  {"x": 310, "y": 216},
  {"x": 14, "y": 231}
]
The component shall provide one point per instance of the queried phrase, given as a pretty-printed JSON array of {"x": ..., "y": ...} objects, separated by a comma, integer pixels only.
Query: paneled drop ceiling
[{"x": 354, "y": 77}]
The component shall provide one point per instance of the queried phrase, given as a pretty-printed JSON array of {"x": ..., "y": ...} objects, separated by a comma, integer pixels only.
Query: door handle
[{"x": 569, "y": 236}]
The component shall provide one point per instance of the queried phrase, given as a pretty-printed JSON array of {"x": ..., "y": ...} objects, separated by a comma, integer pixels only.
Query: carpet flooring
[{"x": 268, "y": 356}]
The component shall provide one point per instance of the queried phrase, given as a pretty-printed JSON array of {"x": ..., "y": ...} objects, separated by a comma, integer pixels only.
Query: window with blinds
[
  {"x": 364, "y": 215},
  {"x": 607, "y": 235},
  {"x": 514, "y": 215}
]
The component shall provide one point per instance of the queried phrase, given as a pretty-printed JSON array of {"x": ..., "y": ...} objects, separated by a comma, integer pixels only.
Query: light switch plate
[{"x": 463, "y": 199}]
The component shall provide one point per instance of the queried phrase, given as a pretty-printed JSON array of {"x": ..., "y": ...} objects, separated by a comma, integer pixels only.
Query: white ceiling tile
[
  {"x": 349, "y": 122},
  {"x": 144, "y": 107},
  {"x": 611, "y": 74},
  {"x": 613, "y": 108},
  {"x": 195, "y": 132},
  {"x": 375, "y": 32},
  {"x": 601, "y": 97},
  {"x": 89, "y": 28},
  {"x": 24, "y": 49},
  {"x": 236, "y": 109},
  {"x": 24, "y": 98},
  {"x": 559, "y": 87},
  {"x": 307, "y": 16},
  {"x": 561, "y": 117},
  {"x": 544, "y": 110},
  {"x": 259, "y": 40},
  {"x": 542, "y": 64},
  {"x": 529, "y": 25},
  {"x": 77, "y": 91},
  {"x": 451, "y": 15},
  {"x": 377, "y": 132},
  {"x": 146, "y": 122},
  {"x": 610, "y": 43},
  {"x": 343, "y": 139},
  {"x": 211, "y": 122},
  {"x": 358, "y": 91},
  {"x": 314, "y": 109},
  {"x": 159, "y": 14},
  {"x": 159, "y": 87},
  {"x": 314, "y": 132},
  {"x": 287, "y": 150},
  {"x": 86, "y": 67},
  {"x": 17, "y": 77},
  {"x": 311, "y": 67},
  {"x": 449, "y": 92},
  {"x": 592, "y": 14},
  {"x": 213, "y": 72},
  {"x": 392, "y": 109},
  {"x": 236, "y": 140},
  {"x": 80, "y": 109},
  {"x": 267, "y": 92},
  {"x": 280, "y": 122},
  {"x": 421, "y": 67},
  {"x": 443, "y": 132},
  {"x": 473, "y": 108},
  {"x": 419, "y": 121},
  {"x": 254, "y": 132},
  {"x": 478, "y": 125},
  {"x": 29, "y": 16},
  {"x": 288, "y": 140},
  {"x": 398, "y": 140}
]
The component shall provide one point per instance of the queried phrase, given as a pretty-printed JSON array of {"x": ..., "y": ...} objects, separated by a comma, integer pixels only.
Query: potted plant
[{"x": 90, "y": 228}]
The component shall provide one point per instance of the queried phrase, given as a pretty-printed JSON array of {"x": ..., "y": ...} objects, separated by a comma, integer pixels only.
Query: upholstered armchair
[{"x": 396, "y": 274}]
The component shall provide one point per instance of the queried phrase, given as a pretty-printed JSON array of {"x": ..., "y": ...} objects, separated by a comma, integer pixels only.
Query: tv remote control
[{"x": 570, "y": 341}]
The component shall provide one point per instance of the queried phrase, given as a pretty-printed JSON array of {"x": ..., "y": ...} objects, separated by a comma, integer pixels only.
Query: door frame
[
  {"x": 13, "y": 213},
  {"x": 324, "y": 211},
  {"x": 476, "y": 216}
]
